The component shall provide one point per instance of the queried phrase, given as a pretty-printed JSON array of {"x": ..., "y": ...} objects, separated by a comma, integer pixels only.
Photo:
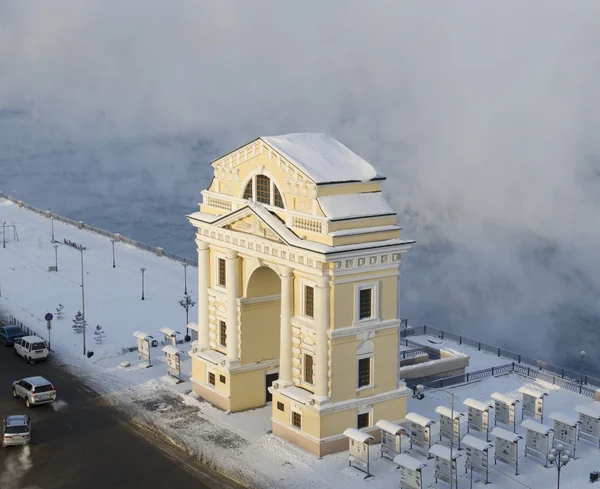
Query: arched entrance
[{"x": 260, "y": 322}]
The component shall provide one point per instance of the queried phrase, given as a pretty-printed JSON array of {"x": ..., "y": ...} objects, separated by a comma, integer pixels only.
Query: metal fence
[
  {"x": 102, "y": 232},
  {"x": 529, "y": 372},
  {"x": 541, "y": 366}
]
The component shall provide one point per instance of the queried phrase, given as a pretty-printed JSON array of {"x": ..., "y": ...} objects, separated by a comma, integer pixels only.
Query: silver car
[
  {"x": 35, "y": 391},
  {"x": 16, "y": 430}
]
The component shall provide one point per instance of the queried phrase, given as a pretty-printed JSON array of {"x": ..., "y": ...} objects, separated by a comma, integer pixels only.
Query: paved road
[{"x": 86, "y": 444}]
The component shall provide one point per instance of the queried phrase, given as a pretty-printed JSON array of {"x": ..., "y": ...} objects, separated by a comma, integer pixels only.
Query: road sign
[{"x": 49, "y": 316}]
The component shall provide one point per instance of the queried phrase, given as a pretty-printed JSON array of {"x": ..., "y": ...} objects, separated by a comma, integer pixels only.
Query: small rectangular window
[
  {"x": 362, "y": 421},
  {"x": 296, "y": 420},
  {"x": 222, "y": 273},
  {"x": 222, "y": 379},
  {"x": 364, "y": 372},
  {"x": 365, "y": 304},
  {"x": 280, "y": 406},
  {"x": 308, "y": 369},
  {"x": 211, "y": 378},
  {"x": 309, "y": 301},
  {"x": 222, "y": 333}
]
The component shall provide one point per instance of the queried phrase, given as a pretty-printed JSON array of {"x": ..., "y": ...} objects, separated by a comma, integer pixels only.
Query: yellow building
[{"x": 298, "y": 263}]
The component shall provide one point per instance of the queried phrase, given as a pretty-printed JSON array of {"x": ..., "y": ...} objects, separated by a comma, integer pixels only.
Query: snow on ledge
[
  {"x": 475, "y": 404},
  {"x": 532, "y": 392},
  {"x": 411, "y": 463},
  {"x": 350, "y": 206},
  {"x": 497, "y": 396},
  {"x": 591, "y": 410},
  {"x": 476, "y": 443},
  {"x": 506, "y": 435},
  {"x": 419, "y": 419},
  {"x": 389, "y": 427}
]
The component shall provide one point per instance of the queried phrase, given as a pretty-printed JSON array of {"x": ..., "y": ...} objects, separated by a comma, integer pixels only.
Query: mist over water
[{"x": 484, "y": 117}]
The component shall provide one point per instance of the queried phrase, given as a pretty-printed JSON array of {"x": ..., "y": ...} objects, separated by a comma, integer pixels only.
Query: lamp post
[
  {"x": 113, "y": 250},
  {"x": 559, "y": 457},
  {"x": 185, "y": 277},
  {"x": 143, "y": 270},
  {"x": 3, "y": 235},
  {"x": 83, "y": 300},
  {"x": 581, "y": 368},
  {"x": 52, "y": 219},
  {"x": 56, "y": 256}
]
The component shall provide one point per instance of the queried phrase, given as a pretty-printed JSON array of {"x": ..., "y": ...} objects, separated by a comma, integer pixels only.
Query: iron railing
[
  {"x": 541, "y": 366},
  {"x": 102, "y": 232}
]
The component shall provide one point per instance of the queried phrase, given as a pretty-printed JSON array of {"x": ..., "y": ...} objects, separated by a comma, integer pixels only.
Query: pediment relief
[{"x": 251, "y": 224}]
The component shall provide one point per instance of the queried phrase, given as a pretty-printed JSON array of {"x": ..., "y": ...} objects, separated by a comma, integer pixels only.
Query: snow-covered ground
[{"x": 240, "y": 444}]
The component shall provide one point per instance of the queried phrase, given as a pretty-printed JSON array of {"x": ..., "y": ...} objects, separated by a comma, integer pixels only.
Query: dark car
[{"x": 9, "y": 334}]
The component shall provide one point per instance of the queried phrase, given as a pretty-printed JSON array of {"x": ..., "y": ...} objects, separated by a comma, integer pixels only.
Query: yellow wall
[
  {"x": 344, "y": 364},
  {"x": 393, "y": 410},
  {"x": 351, "y": 188},
  {"x": 200, "y": 369},
  {"x": 260, "y": 325},
  {"x": 263, "y": 281},
  {"x": 365, "y": 238},
  {"x": 249, "y": 390}
]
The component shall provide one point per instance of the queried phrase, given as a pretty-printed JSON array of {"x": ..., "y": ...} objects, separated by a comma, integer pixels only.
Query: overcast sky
[{"x": 484, "y": 115}]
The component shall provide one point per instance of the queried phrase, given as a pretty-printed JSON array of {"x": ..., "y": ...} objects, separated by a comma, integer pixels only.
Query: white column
[
  {"x": 203, "y": 285},
  {"x": 231, "y": 278},
  {"x": 285, "y": 333},
  {"x": 322, "y": 348}
]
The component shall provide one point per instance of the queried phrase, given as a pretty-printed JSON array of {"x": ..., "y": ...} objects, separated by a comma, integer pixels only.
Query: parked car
[
  {"x": 16, "y": 430},
  {"x": 32, "y": 348},
  {"x": 9, "y": 334},
  {"x": 35, "y": 391}
]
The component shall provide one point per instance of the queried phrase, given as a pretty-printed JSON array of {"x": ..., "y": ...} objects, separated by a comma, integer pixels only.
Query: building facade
[{"x": 299, "y": 258}]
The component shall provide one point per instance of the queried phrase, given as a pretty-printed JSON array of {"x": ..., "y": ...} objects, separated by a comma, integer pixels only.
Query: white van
[{"x": 32, "y": 348}]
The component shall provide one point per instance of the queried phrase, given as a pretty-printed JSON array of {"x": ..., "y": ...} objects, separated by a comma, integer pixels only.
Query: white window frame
[
  {"x": 362, "y": 356},
  {"x": 374, "y": 286},
  {"x": 219, "y": 255},
  {"x": 303, "y": 284},
  {"x": 368, "y": 411},
  {"x": 208, "y": 372},
  {"x": 272, "y": 187}
]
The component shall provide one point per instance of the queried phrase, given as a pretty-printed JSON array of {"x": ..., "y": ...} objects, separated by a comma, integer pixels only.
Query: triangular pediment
[{"x": 247, "y": 221}]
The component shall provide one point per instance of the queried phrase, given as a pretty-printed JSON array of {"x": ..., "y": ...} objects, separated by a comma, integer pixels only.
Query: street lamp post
[
  {"x": 113, "y": 250},
  {"x": 3, "y": 235},
  {"x": 559, "y": 457},
  {"x": 143, "y": 270},
  {"x": 52, "y": 219},
  {"x": 185, "y": 277},
  {"x": 581, "y": 369},
  {"x": 56, "y": 256},
  {"x": 83, "y": 301}
]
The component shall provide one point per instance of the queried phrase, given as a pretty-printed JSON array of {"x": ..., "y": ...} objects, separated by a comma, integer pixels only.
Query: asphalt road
[{"x": 87, "y": 444}]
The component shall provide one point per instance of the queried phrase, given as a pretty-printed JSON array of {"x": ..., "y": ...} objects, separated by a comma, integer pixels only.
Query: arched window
[
  {"x": 364, "y": 365},
  {"x": 266, "y": 191},
  {"x": 248, "y": 191}
]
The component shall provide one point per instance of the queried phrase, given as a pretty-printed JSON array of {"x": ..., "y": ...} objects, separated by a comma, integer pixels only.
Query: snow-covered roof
[
  {"x": 418, "y": 419},
  {"x": 497, "y": 396},
  {"x": 141, "y": 335},
  {"x": 351, "y": 206},
  {"x": 193, "y": 326},
  {"x": 532, "y": 392},
  {"x": 171, "y": 350},
  {"x": 168, "y": 331},
  {"x": 447, "y": 412},
  {"x": 475, "y": 404},
  {"x": 442, "y": 451},
  {"x": 476, "y": 443},
  {"x": 390, "y": 427},
  {"x": 322, "y": 158},
  {"x": 564, "y": 419},
  {"x": 411, "y": 463},
  {"x": 506, "y": 435},
  {"x": 357, "y": 435},
  {"x": 592, "y": 410},
  {"x": 530, "y": 424}
]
